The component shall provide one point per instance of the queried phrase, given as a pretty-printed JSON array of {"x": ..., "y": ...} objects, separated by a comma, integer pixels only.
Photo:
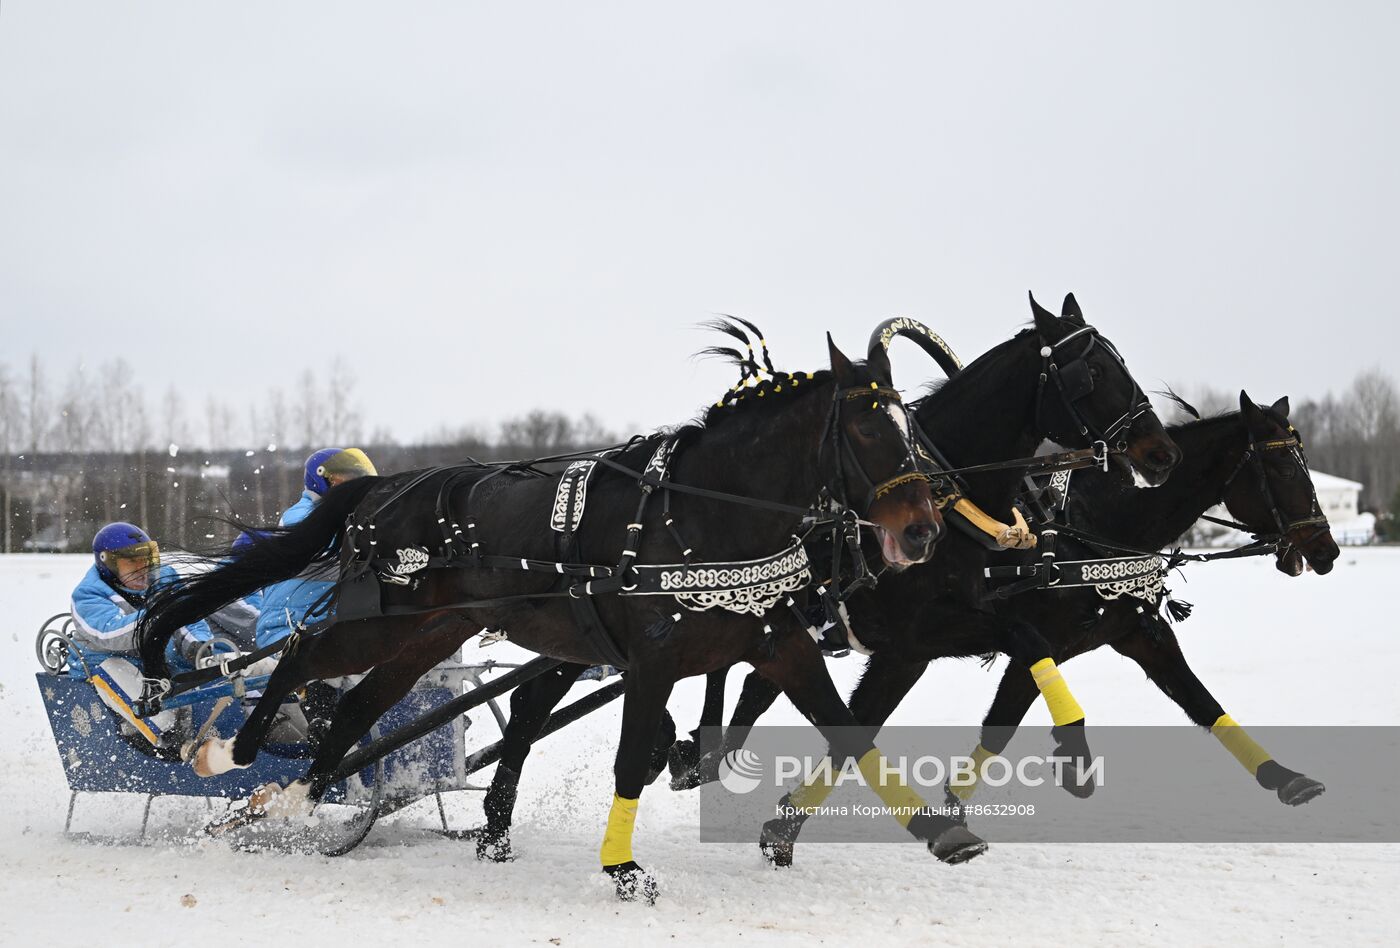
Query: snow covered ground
[{"x": 1335, "y": 664}]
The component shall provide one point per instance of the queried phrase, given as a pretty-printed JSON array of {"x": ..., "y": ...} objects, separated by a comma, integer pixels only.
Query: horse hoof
[
  {"x": 633, "y": 882},
  {"x": 778, "y": 841},
  {"x": 263, "y": 795},
  {"x": 494, "y": 846},
  {"x": 1070, "y": 775},
  {"x": 957, "y": 844},
  {"x": 706, "y": 770},
  {"x": 285, "y": 804},
  {"x": 954, "y": 805},
  {"x": 1300, "y": 790},
  {"x": 1078, "y": 786},
  {"x": 680, "y": 759},
  {"x": 214, "y": 757}
]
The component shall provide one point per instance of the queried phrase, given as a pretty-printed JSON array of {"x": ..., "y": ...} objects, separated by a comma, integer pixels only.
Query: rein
[{"x": 1047, "y": 573}]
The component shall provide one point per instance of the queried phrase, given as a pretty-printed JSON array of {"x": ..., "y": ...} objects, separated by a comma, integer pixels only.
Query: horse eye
[{"x": 866, "y": 426}]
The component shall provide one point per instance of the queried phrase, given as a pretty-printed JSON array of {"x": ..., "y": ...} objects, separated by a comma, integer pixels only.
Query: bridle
[
  {"x": 1254, "y": 457},
  {"x": 1074, "y": 382},
  {"x": 848, "y": 463}
]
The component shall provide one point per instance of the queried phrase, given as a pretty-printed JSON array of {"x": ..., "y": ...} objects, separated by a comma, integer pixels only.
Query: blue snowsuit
[
  {"x": 104, "y": 624},
  {"x": 286, "y": 604}
]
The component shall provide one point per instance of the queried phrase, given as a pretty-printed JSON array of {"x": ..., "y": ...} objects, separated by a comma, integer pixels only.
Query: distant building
[{"x": 1338, "y": 498}]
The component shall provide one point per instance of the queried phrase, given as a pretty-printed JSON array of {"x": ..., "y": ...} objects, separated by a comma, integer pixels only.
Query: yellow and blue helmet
[{"x": 328, "y": 462}]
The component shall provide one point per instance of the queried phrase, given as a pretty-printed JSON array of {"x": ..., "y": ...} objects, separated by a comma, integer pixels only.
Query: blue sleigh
[{"x": 98, "y": 758}]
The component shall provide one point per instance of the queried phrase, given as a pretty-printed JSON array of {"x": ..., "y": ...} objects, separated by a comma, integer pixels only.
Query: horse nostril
[
  {"x": 919, "y": 533},
  {"x": 1163, "y": 457}
]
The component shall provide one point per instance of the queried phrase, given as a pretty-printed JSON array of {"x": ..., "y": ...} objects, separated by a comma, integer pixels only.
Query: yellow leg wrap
[
  {"x": 1238, "y": 742},
  {"x": 1063, "y": 708},
  {"x": 965, "y": 791},
  {"x": 617, "y": 839},
  {"x": 891, "y": 790},
  {"x": 814, "y": 792}
]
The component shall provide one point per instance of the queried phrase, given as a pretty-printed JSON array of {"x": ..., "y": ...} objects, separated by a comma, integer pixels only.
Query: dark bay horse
[
  {"x": 1253, "y": 462},
  {"x": 785, "y": 441},
  {"x": 998, "y": 408},
  {"x": 1249, "y": 460}
]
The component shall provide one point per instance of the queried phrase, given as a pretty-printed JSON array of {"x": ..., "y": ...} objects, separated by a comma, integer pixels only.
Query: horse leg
[
  {"x": 798, "y": 668},
  {"x": 685, "y": 755},
  {"x": 883, "y": 684},
  {"x": 1015, "y": 694},
  {"x": 399, "y": 650},
  {"x": 661, "y": 748},
  {"x": 756, "y": 697},
  {"x": 420, "y": 645},
  {"x": 644, "y": 704},
  {"x": 301, "y": 661},
  {"x": 1158, "y": 653},
  {"x": 530, "y": 707},
  {"x": 1023, "y": 643}
]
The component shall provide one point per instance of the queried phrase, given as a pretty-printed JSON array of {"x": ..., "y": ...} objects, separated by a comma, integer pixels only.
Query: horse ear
[
  {"x": 1071, "y": 310},
  {"x": 1281, "y": 406},
  {"x": 879, "y": 365},
  {"x": 840, "y": 365},
  {"x": 1045, "y": 322},
  {"x": 1250, "y": 409}
]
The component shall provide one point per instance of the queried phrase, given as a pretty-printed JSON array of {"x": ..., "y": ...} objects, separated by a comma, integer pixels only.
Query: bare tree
[
  {"x": 342, "y": 419},
  {"x": 141, "y": 429},
  {"x": 174, "y": 427},
  {"x": 36, "y": 406},
  {"x": 309, "y": 411},
  {"x": 218, "y": 419},
  {"x": 9, "y": 431},
  {"x": 539, "y": 432},
  {"x": 1357, "y": 435},
  {"x": 275, "y": 418}
]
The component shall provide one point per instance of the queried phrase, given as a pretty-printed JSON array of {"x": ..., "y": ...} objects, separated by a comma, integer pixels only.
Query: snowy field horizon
[{"x": 1274, "y": 650}]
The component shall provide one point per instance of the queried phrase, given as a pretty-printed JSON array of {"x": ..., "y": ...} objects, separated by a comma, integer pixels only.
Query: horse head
[
  {"x": 1086, "y": 394},
  {"x": 871, "y": 462},
  {"x": 1272, "y": 491}
]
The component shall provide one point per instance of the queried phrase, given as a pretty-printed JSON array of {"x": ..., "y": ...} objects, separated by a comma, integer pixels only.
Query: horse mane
[
  {"x": 1204, "y": 421},
  {"x": 1180, "y": 402},
  {"x": 758, "y": 385}
]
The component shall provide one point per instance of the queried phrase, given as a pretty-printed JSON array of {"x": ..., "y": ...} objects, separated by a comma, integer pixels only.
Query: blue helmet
[
  {"x": 122, "y": 541},
  {"x": 328, "y": 462}
]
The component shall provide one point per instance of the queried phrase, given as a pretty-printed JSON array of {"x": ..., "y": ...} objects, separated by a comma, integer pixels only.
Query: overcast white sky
[{"x": 491, "y": 207}]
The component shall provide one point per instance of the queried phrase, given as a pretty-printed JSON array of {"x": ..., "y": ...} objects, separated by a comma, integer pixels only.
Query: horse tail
[{"x": 275, "y": 555}]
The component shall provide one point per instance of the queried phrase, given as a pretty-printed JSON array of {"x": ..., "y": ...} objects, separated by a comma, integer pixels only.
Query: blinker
[{"x": 1076, "y": 380}]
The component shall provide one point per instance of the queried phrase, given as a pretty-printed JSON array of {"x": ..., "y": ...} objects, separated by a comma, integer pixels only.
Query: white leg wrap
[
  {"x": 291, "y": 803},
  {"x": 214, "y": 757}
]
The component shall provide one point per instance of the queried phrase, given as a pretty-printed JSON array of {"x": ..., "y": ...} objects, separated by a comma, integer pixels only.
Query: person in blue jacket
[
  {"x": 106, "y": 607},
  {"x": 111, "y": 598},
  {"x": 289, "y": 604}
]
